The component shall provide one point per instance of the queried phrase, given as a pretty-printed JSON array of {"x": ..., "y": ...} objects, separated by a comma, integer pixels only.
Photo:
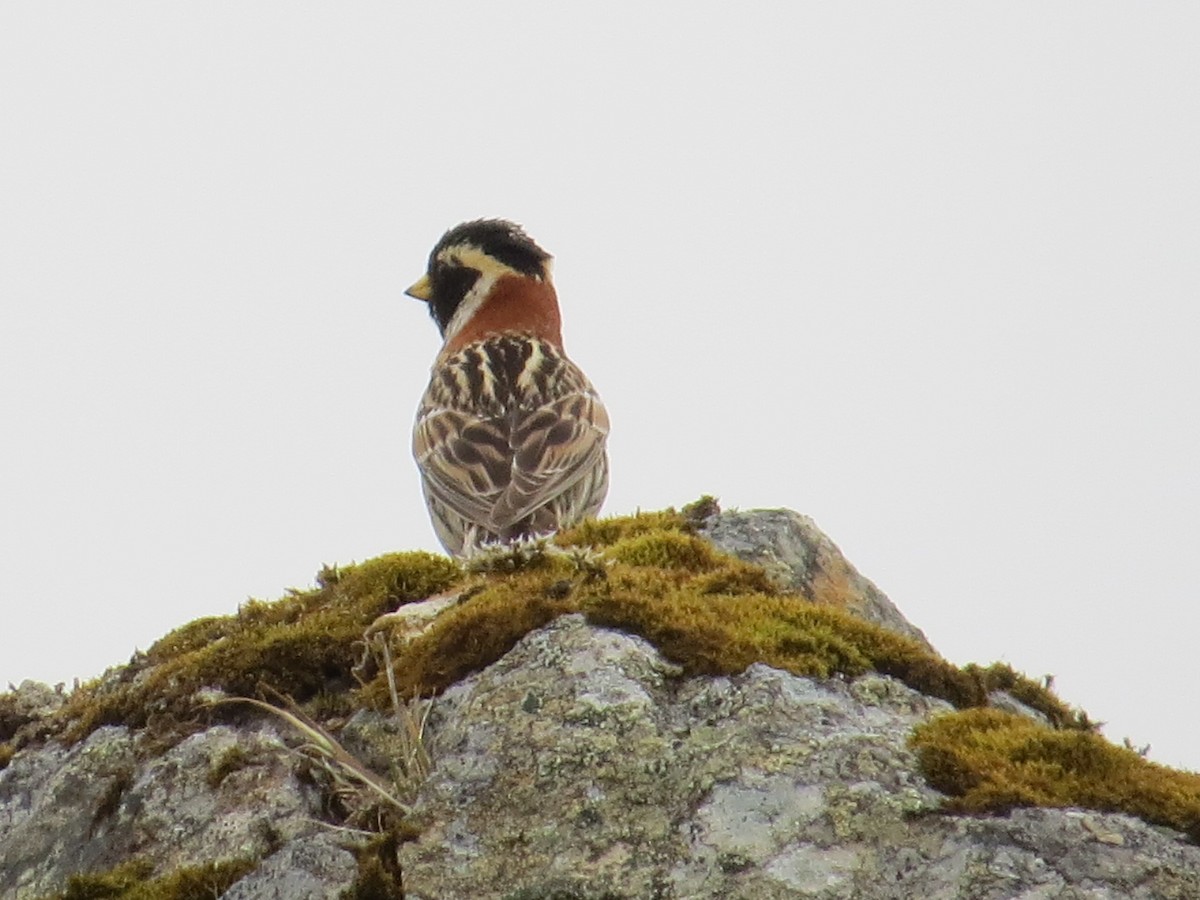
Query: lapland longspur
[{"x": 510, "y": 435}]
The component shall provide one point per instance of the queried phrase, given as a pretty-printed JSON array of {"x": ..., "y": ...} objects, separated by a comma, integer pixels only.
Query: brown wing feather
[
  {"x": 553, "y": 447},
  {"x": 464, "y": 460}
]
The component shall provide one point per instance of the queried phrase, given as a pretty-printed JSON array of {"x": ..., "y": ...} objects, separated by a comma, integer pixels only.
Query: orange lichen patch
[
  {"x": 832, "y": 587},
  {"x": 989, "y": 760}
]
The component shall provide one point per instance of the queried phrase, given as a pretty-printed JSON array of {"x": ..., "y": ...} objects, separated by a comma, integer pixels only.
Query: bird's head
[{"x": 466, "y": 264}]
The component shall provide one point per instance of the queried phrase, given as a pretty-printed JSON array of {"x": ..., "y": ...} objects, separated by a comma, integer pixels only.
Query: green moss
[
  {"x": 1002, "y": 677},
  {"x": 385, "y": 582},
  {"x": 195, "y": 635},
  {"x": 700, "y": 511},
  {"x": 708, "y": 612},
  {"x": 7, "y": 752},
  {"x": 605, "y": 532},
  {"x": 131, "y": 881},
  {"x": 724, "y": 634},
  {"x": 667, "y": 550},
  {"x": 301, "y": 645},
  {"x": 116, "y": 882},
  {"x": 733, "y": 577},
  {"x": 331, "y": 705},
  {"x": 531, "y": 556},
  {"x": 988, "y": 760},
  {"x": 19, "y": 725},
  {"x": 472, "y": 635}
]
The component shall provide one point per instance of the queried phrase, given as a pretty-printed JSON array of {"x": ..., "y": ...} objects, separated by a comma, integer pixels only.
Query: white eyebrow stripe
[{"x": 471, "y": 257}]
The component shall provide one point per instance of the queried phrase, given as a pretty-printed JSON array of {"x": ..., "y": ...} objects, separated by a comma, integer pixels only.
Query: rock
[
  {"x": 52, "y": 801},
  {"x": 580, "y": 766},
  {"x": 25, "y": 709},
  {"x": 411, "y": 620},
  {"x": 315, "y": 867},
  {"x": 219, "y": 794},
  {"x": 28, "y": 701},
  {"x": 799, "y": 557}
]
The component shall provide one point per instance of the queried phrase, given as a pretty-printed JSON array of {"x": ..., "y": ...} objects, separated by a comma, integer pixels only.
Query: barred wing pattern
[{"x": 510, "y": 442}]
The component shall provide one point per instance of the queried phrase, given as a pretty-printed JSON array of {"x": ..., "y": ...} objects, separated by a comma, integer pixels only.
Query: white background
[{"x": 927, "y": 273}]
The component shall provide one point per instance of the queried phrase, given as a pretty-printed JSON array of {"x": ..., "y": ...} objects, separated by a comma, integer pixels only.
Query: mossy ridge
[
  {"x": 300, "y": 645},
  {"x": 131, "y": 881},
  {"x": 648, "y": 574},
  {"x": 989, "y": 760},
  {"x": 709, "y": 612}
]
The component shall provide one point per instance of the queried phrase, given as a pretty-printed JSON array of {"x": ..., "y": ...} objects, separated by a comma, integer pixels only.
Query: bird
[{"x": 510, "y": 434}]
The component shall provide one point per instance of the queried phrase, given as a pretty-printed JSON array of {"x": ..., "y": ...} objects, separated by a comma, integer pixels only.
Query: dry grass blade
[
  {"x": 416, "y": 761},
  {"x": 325, "y": 748}
]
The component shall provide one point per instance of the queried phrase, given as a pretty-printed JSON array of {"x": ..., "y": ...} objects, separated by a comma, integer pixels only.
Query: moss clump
[
  {"x": 116, "y": 882},
  {"x": 301, "y": 645},
  {"x": 21, "y": 723},
  {"x": 605, "y": 532},
  {"x": 989, "y": 760},
  {"x": 700, "y": 511},
  {"x": 472, "y": 635},
  {"x": 667, "y": 550},
  {"x": 1003, "y": 677},
  {"x": 131, "y": 881}
]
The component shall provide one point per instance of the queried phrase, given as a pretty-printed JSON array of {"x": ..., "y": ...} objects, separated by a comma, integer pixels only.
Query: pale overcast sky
[{"x": 926, "y": 272}]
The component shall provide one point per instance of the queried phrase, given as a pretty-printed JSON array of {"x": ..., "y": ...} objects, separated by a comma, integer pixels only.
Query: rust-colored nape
[{"x": 514, "y": 304}]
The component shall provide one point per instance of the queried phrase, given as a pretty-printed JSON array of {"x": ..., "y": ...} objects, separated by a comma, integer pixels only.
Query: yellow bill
[{"x": 422, "y": 289}]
